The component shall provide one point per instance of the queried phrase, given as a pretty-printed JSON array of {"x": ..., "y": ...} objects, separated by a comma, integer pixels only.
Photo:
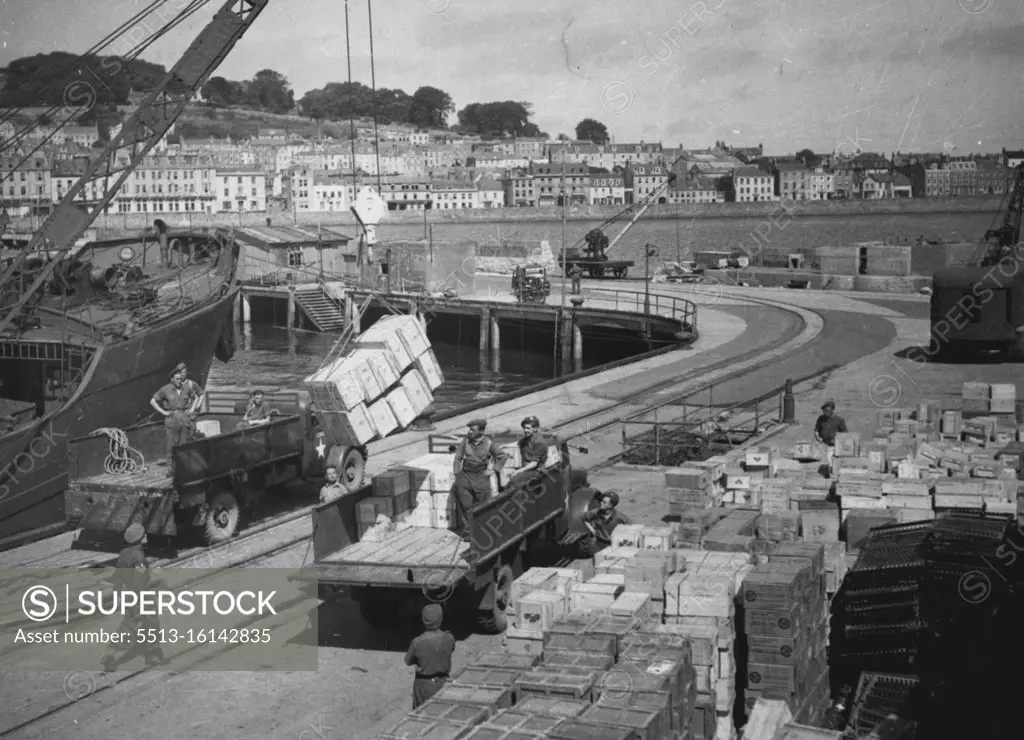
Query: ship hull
[{"x": 34, "y": 464}]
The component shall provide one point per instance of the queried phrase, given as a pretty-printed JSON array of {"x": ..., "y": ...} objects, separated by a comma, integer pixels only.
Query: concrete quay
[{"x": 362, "y": 686}]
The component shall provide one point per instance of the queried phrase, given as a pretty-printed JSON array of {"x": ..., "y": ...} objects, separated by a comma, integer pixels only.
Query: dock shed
[{"x": 279, "y": 254}]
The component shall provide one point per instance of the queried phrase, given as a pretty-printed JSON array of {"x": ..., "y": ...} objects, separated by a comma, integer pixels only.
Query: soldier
[
  {"x": 431, "y": 653},
  {"x": 132, "y": 574},
  {"x": 178, "y": 402},
  {"x": 533, "y": 453},
  {"x": 828, "y": 425},
  {"x": 602, "y": 522},
  {"x": 332, "y": 489},
  {"x": 476, "y": 457},
  {"x": 575, "y": 274},
  {"x": 256, "y": 412}
]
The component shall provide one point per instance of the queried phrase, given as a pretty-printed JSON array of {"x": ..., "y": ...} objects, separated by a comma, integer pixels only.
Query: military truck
[
  {"x": 516, "y": 529},
  {"x": 215, "y": 477}
]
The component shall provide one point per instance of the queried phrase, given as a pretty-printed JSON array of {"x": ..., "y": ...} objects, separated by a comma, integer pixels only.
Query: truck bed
[
  {"x": 154, "y": 478},
  {"x": 409, "y": 557}
]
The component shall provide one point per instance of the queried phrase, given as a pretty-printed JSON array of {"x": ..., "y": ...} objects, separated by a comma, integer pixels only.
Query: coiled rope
[{"x": 122, "y": 459}]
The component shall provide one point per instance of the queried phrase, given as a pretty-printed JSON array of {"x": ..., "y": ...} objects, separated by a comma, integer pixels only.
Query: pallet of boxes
[{"x": 384, "y": 381}]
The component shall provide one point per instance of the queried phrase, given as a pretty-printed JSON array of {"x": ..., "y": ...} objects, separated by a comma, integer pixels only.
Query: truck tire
[
  {"x": 493, "y": 621},
  {"x": 222, "y": 517},
  {"x": 351, "y": 465}
]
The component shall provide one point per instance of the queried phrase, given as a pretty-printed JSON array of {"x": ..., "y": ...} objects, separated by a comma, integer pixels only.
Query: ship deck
[{"x": 154, "y": 478}]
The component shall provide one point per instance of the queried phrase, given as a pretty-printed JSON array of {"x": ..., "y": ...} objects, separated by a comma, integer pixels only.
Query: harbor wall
[{"x": 113, "y": 224}]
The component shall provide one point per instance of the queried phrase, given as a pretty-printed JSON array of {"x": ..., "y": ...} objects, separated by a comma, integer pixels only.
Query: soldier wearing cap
[
  {"x": 828, "y": 425},
  {"x": 533, "y": 452},
  {"x": 132, "y": 574},
  {"x": 476, "y": 457},
  {"x": 431, "y": 653},
  {"x": 602, "y": 521},
  {"x": 178, "y": 402}
]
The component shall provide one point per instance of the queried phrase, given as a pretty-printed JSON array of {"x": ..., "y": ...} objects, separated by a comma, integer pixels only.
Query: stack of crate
[
  {"x": 700, "y": 602},
  {"x": 786, "y": 618},
  {"x": 540, "y": 597},
  {"x": 767, "y": 717},
  {"x": 733, "y": 533},
  {"x": 394, "y": 496},
  {"x": 430, "y": 479},
  {"x": 694, "y": 524},
  {"x": 690, "y": 487},
  {"x": 386, "y": 380}
]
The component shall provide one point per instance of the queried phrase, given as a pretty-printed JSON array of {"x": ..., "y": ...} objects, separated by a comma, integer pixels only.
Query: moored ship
[{"x": 91, "y": 350}]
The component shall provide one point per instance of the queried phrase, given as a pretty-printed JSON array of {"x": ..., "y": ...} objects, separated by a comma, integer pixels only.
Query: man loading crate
[{"x": 476, "y": 459}]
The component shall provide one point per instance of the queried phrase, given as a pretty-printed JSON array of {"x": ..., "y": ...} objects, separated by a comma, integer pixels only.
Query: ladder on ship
[{"x": 322, "y": 309}]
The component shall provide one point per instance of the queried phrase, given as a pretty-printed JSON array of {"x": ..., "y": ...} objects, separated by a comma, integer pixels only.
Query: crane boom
[
  {"x": 139, "y": 134},
  {"x": 647, "y": 203}
]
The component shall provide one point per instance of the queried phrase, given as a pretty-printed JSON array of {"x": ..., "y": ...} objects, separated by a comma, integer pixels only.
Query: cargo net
[
  {"x": 914, "y": 588},
  {"x": 884, "y": 704}
]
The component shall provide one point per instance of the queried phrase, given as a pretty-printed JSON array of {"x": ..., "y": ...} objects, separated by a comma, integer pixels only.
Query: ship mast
[{"x": 139, "y": 134}]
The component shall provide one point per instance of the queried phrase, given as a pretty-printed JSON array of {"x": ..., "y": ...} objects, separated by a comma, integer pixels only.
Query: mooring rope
[{"x": 122, "y": 459}]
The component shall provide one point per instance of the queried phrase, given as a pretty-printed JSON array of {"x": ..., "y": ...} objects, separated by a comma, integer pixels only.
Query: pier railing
[
  {"x": 653, "y": 304},
  {"x": 692, "y": 427}
]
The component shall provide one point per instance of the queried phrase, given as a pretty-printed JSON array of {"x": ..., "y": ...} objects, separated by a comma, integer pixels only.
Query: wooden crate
[
  {"x": 517, "y": 719},
  {"x": 548, "y": 706},
  {"x": 590, "y": 597},
  {"x": 494, "y": 698},
  {"x": 659, "y": 701},
  {"x": 802, "y": 732},
  {"x": 773, "y": 623},
  {"x": 540, "y": 609},
  {"x": 650, "y": 724},
  {"x": 508, "y": 661},
  {"x": 771, "y": 678},
  {"x": 454, "y": 712},
  {"x": 486, "y": 677},
  {"x": 535, "y": 579},
  {"x": 501, "y": 733},
  {"x": 631, "y": 604},
  {"x": 763, "y": 589},
  {"x": 540, "y": 683},
  {"x": 423, "y": 727},
  {"x": 581, "y": 643},
  {"x": 524, "y": 642},
  {"x": 579, "y": 730},
  {"x": 776, "y": 650},
  {"x": 565, "y": 658}
]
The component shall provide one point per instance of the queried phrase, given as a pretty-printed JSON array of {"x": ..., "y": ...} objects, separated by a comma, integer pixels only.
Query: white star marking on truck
[{"x": 321, "y": 448}]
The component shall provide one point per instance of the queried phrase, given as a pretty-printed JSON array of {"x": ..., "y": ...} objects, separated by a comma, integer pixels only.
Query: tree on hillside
[
  {"x": 590, "y": 130},
  {"x": 268, "y": 90},
  {"x": 564, "y": 137},
  {"x": 430, "y": 107},
  {"x": 505, "y": 118},
  {"x": 338, "y": 101},
  {"x": 809, "y": 158},
  {"x": 220, "y": 92}
]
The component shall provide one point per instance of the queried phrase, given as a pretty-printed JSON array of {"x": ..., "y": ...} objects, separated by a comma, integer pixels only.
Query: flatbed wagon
[{"x": 597, "y": 268}]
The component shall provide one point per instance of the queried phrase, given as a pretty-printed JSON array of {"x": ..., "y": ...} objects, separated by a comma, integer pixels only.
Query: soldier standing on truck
[
  {"x": 575, "y": 274},
  {"x": 476, "y": 457},
  {"x": 178, "y": 402},
  {"x": 533, "y": 453},
  {"x": 431, "y": 653},
  {"x": 132, "y": 574}
]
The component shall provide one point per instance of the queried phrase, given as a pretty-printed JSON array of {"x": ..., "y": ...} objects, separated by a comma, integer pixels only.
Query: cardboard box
[{"x": 539, "y": 610}]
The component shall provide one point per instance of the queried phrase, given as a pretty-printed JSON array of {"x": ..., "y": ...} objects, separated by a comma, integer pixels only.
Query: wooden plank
[
  {"x": 406, "y": 552},
  {"x": 395, "y": 544},
  {"x": 429, "y": 549}
]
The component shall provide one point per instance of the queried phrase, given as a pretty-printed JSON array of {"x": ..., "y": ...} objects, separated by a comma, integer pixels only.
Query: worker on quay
[
  {"x": 601, "y": 522},
  {"x": 431, "y": 653},
  {"x": 476, "y": 459},
  {"x": 575, "y": 274},
  {"x": 828, "y": 425},
  {"x": 533, "y": 453},
  {"x": 332, "y": 489},
  {"x": 256, "y": 413},
  {"x": 132, "y": 573},
  {"x": 178, "y": 402}
]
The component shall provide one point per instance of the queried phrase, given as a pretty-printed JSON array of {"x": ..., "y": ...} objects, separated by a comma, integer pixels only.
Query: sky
[{"x": 829, "y": 75}]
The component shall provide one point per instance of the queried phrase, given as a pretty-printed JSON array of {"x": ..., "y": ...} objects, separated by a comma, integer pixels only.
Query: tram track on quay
[{"x": 292, "y": 529}]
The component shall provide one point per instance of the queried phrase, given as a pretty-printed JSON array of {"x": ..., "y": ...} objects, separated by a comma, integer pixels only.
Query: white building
[
  {"x": 752, "y": 185},
  {"x": 241, "y": 189}
]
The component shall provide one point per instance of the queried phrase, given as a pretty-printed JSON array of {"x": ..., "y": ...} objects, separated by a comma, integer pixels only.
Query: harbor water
[{"x": 271, "y": 358}]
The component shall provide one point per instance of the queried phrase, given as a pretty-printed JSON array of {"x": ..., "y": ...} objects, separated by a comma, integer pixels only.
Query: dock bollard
[{"x": 788, "y": 404}]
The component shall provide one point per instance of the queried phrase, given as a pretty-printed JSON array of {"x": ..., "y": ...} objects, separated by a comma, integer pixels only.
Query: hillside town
[{"x": 441, "y": 170}]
